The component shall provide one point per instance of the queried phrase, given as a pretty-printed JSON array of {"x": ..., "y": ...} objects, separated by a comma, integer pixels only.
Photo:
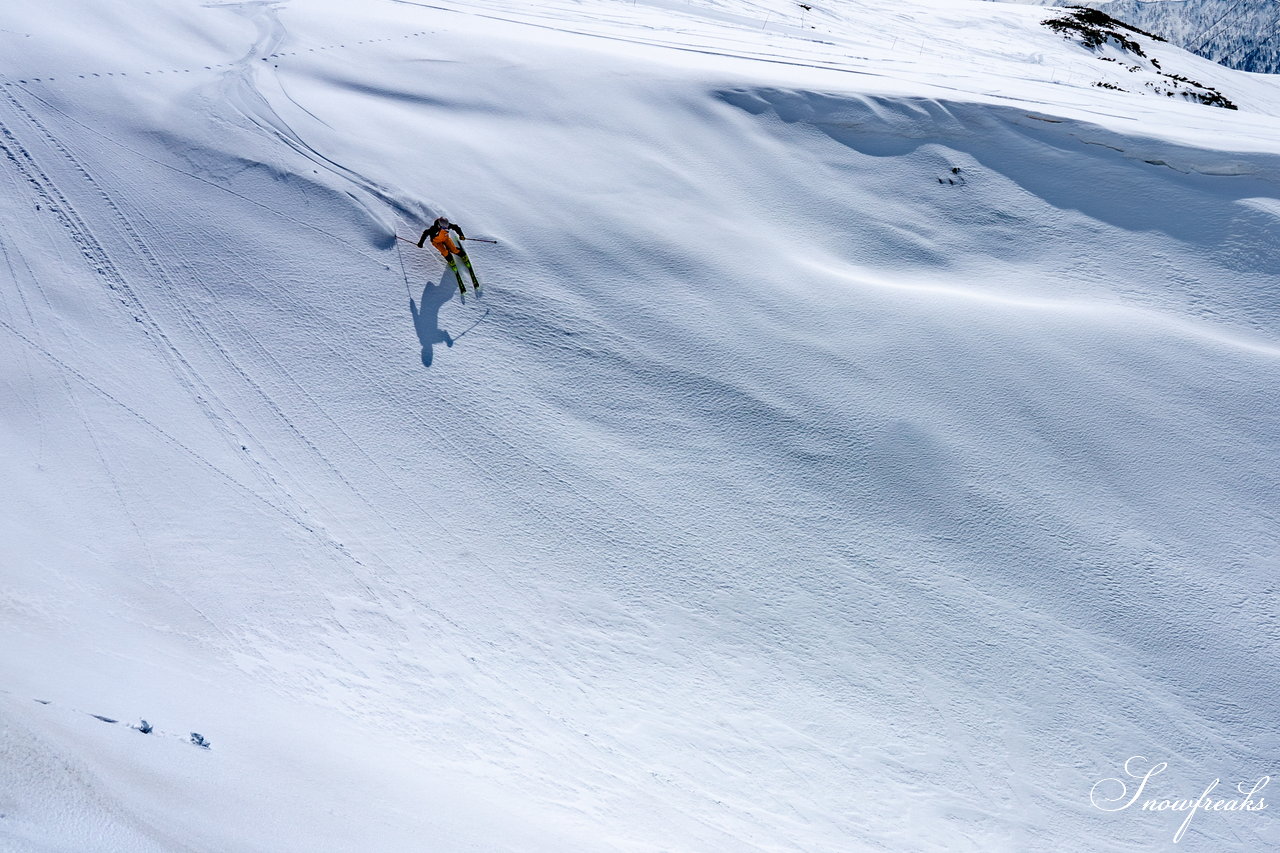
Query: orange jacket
[{"x": 440, "y": 238}]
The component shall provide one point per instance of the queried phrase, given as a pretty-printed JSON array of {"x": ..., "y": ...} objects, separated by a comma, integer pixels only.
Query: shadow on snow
[{"x": 426, "y": 316}]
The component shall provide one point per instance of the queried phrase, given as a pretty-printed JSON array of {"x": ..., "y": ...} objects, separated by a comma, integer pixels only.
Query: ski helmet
[{"x": 442, "y": 221}]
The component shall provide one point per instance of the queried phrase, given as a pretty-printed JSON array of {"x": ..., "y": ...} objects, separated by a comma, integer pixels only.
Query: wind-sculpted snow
[{"x": 864, "y": 439}]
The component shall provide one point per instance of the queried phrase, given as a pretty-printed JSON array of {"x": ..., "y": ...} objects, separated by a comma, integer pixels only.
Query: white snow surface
[{"x": 784, "y": 490}]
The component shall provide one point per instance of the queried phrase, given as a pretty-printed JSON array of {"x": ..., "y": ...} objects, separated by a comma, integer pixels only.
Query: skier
[{"x": 438, "y": 234}]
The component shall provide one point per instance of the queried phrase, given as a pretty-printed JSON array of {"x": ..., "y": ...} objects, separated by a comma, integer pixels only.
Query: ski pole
[{"x": 472, "y": 239}]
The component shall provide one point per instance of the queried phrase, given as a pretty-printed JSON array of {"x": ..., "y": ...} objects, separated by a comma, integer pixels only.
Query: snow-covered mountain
[
  {"x": 1243, "y": 34},
  {"x": 865, "y": 438}
]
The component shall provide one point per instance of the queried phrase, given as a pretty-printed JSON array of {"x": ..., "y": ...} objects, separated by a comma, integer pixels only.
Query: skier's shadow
[{"x": 426, "y": 316}]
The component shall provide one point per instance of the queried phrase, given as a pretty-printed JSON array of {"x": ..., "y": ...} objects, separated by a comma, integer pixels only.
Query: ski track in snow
[
  {"x": 97, "y": 256},
  {"x": 244, "y": 93}
]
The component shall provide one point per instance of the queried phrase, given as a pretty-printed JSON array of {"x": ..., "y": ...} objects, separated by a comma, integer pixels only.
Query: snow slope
[
  {"x": 1244, "y": 35},
  {"x": 786, "y": 489}
]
